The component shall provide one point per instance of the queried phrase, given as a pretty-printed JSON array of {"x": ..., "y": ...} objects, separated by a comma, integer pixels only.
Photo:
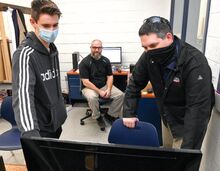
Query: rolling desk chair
[
  {"x": 144, "y": 134},
  {"x": 102, "y": 110},
  {"x": 10, "y": 139}
]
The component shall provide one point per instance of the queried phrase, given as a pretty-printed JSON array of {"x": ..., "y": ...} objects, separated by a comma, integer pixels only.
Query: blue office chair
[
  {"x": 10, "y": 139},
  {"x": 144, "y": 134}
]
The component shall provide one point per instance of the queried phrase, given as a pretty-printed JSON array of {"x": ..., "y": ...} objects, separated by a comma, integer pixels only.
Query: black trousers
[{"x": 51, "y": 134}]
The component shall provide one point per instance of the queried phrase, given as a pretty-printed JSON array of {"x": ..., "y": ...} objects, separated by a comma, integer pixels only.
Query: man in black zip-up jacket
[
  {"x": 182, "y": 82},
  {"x": 37, "y": 99}
]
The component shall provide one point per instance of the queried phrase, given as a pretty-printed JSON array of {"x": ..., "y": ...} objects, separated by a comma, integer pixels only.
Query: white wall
[
  {"x": 115, "y": 22},
  {"x": 211, "y": 145},
  {"x": 25, "y": 3}
]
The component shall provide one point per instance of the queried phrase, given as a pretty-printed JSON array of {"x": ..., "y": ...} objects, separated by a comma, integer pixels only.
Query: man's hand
[
  {"x": 108, "y": 93},
  {"x": 130, "y": 122},
  {"x": 102, "y": 93}
]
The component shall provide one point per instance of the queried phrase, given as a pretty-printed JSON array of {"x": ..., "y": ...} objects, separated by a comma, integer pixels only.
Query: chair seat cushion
[
  {"x": 10, "y": 140},
  {"x": 103, "y": 101}
]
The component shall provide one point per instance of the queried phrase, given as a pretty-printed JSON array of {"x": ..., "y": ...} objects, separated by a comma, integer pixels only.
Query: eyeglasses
[
  {"x": 157, "y": 19},
  {"x": 95, "y": 47}
]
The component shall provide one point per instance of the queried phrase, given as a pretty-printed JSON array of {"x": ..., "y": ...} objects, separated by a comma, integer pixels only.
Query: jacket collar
[{"x": 180, "y": 45}]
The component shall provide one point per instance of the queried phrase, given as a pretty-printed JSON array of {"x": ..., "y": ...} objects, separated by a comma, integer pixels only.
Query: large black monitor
[
  {"x": 43, "y": 154},
  {"x": 2, "y": 166},
  {"x": 114, "y": 54}
]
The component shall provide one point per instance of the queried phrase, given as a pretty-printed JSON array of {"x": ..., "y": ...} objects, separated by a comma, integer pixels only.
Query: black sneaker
[
  {"x": 110, "y": 119},
  {"x": 101, "y": 123}
]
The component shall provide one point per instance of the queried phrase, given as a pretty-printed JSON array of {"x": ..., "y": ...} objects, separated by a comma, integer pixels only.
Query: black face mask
[{"x": 162, "y": 56}]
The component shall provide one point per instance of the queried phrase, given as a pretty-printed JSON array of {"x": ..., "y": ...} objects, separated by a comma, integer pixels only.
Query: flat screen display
[
  {"x": 114, "y": 54},
  {"x": 44, "y": 154}
]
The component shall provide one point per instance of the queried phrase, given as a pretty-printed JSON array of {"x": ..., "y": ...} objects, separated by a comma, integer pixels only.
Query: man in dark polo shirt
[{"x": 97, "y": 79}]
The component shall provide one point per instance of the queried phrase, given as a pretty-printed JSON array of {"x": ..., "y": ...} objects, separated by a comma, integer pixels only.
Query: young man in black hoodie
[
  {"x": 37, "y": 99},
  {"x": 182, "y": 83}
]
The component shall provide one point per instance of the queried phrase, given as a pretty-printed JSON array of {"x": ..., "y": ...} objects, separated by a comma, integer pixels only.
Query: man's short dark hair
[
  {"x": 39, "y": 7},
  {"x": 155, "y": 24}
]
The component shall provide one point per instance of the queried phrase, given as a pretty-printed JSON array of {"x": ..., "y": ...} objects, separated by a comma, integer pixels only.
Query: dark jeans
[{"x": 51, "y": 134}]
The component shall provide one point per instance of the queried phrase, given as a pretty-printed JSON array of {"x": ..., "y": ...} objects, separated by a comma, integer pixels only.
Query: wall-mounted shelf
[{"x": 4, "y": 7}]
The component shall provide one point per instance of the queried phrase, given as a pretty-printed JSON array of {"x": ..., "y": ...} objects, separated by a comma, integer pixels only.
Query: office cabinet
[{"x": 74, "y": 87}]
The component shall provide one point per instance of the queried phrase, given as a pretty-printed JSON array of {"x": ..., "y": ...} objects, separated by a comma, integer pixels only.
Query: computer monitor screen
[
  {"x": 114, "y": 54},
  {"x": 51, "y": 154}
]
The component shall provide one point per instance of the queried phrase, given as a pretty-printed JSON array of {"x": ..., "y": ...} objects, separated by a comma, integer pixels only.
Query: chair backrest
[
  {"x": 7, "y": 112},
  {"x": 144, "y": 134}
]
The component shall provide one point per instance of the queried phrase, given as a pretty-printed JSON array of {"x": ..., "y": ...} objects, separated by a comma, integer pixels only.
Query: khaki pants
[
  {"x": 168, "y": 140},
  {"x": 115, "y": 107}
]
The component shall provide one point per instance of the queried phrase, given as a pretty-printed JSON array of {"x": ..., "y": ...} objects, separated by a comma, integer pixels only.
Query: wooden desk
[
  {"x": 120, "y": 81},
  {"x": 125, "y": 73},
  {"x": 144, "y": 92},
  {"x": 72, "y": 72},
  {"x": 147, "y": 95}
]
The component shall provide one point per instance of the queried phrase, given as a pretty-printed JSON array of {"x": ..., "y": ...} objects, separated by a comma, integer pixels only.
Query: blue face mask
[{"x": 48, "y": 35}]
